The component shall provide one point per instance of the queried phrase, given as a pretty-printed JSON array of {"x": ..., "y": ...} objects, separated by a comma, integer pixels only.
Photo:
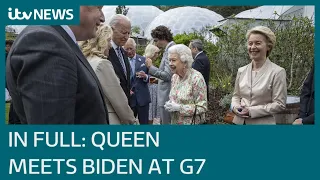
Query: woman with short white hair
[{"x": 188, "y": 96}]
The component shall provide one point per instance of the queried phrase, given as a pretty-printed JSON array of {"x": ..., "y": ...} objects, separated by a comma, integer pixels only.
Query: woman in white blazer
[
  {"x": 96, "y": 50},
  {"x": 260, "y": 89}
]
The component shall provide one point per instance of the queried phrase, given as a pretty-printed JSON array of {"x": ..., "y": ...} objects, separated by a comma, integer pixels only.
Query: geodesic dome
[
  {"x": 184, "y": 19},
  {"x": 17, "y": 28},
  {"x": 140, "y": 16}
]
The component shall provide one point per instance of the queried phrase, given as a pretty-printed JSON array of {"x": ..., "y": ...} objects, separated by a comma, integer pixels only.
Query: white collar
[
  {"x": 114, "y": 45},
  {"x": 69, "y": 32},
  {"x": 169, "y": 44},
  {"x": 198, "y": 54}
]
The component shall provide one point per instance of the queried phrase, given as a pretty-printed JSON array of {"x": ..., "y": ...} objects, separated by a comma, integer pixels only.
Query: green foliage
[
  {"x": 210, "y": 49},
  {"x": 10, "y": 36},
  {"x": 140, "y": 50},
  {"x": 294, "y": 51},
  {"x": 135, "y": 30},
  {"x": 225, "y": 102}
]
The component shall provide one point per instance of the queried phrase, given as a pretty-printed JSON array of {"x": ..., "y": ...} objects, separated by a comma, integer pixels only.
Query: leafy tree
[{"x": 122, "y": 10}]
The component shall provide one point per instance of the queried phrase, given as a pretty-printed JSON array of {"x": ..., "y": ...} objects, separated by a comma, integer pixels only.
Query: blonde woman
[
  {"x": 260, "y": 89},
  {"x": 152, "y": 52},
  {"x": 96, "y": 50}
]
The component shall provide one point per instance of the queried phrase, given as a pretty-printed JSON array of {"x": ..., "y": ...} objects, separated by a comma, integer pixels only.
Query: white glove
[{"x": 172, "y": 106}]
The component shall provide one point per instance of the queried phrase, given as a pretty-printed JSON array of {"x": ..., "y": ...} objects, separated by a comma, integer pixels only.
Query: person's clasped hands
[
  {"x": 241, "y": 111},
  {"x": 172, "y": 106}
]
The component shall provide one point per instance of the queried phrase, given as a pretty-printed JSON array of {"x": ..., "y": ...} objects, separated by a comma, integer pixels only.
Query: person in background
[
  {"x": 140, "y": 95},
  {"x": 96, "y": 50},
  {"x": 8, "y": 47},
  {"x": 163, "y": 39},
  {"x": 188, "y": 95},
  {"x": 152, "y": 52},
  {"x": 260, "y": 88},
  {"x": 121, "y": 27},
  {"x": 12, "y": 117},
  {"x": 201, "y": 61},
  {"x": 49, "y": 79},
  {"x": 306, "y": 114}
]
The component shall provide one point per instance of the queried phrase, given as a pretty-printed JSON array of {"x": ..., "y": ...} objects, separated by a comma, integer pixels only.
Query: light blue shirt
[
  {"x": 133, "y": 67},
  {"x": 133, "y": 64}
]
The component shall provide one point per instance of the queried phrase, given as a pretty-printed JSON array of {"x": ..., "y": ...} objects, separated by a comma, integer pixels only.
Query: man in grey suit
[
  {"x": 162, "y": 37},
  {"x": 50, "y": 80}
]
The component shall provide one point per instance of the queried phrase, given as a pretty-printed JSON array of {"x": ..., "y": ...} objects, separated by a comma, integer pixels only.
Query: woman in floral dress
[{"x": 188, "y": 89}]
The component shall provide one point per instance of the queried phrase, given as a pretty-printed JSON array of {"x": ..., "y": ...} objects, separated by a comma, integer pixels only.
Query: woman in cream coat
[
  {"x": 96, "y": 50},
  {"x": 260, "y": 88}
]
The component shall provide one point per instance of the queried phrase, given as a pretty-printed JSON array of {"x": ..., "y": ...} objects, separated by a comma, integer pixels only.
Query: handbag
[{"x": 193, "y": 122}]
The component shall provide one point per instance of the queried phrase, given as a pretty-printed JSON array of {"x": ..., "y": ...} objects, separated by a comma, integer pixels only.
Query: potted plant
[{"x": 225, "y": 102}]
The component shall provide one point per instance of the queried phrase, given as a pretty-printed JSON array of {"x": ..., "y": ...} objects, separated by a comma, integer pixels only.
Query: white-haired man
[
  {"x": 140, "y": 95},
  {"x": 121, "y": 27}
]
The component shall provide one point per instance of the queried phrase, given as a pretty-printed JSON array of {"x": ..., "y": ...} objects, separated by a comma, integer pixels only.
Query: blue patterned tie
[{"x": 121, "y": 61}]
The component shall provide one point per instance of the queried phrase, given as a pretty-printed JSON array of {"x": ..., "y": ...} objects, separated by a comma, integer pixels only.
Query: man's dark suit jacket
[
  {"x": 124, "y": 81},
  {"x": 141, "y": 96},
  {"x": 307, "y": 100},
  {"x": 202, "y": 64},
  {"x": 51, "y": 82}
]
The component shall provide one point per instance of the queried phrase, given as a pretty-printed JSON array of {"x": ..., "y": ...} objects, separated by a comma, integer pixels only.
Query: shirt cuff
[{"x": 146, "y": 78}]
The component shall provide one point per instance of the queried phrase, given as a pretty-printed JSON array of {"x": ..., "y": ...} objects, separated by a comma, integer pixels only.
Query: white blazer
[
  {"x": 265, "y": 96},
  {"x": 117, "y": 103}
]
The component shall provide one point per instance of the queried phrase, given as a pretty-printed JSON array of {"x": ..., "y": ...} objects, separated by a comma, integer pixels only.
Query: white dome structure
[
  {"x": 264, "y": 12},
  {"x": 17, "y": 28},
  {"x": 278, "y": 14},
  {"x": 108, "y": 12},
  {"x": 140, "y": 16},
  {"x": 184, "y": 19}
]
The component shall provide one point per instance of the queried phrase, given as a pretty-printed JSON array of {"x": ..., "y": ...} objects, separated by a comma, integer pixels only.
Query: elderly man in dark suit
[
  {"x": 306, "y": 115},
  {"x": 140, "y": 95},
  {"x": 201, "y": 62},
  {"x": 50, "y": 80},
  {"x": 121, "y": 27}
]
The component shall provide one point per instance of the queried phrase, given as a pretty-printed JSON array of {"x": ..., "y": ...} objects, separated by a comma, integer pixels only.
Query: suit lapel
[
  {"x": 261, "y": 72},
  {"x": 249, "y": 74},
  {"x": 138, "y": 63},
  {"x": 126, "y": 62},
  {"x": 80, "y": 56}
]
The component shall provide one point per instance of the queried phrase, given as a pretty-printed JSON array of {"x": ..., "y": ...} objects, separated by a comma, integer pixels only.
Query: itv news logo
[{"x": 40, "y": 14}]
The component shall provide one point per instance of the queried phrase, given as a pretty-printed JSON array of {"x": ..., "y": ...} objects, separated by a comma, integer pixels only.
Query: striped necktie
[{"x": 121, "y": 61}]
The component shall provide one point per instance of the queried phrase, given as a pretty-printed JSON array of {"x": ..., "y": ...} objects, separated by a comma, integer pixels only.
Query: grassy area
[{"x": 7, "y": 112}]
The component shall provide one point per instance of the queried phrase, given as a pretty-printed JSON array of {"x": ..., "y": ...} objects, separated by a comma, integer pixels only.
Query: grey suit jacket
[
  {"x": 50, "y": 80},
  {"x": 116, "y": 100},
  {"x": 164, "y": 74}
]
